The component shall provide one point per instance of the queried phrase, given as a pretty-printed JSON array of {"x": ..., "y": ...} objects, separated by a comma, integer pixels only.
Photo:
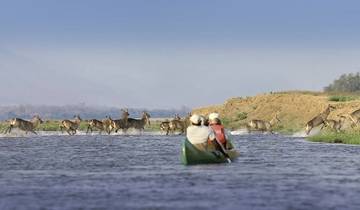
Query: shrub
[
  {"x": 226, "y": 122},
  {"x": 341, "y": 98},
  {"x": 242, "y": 116}
]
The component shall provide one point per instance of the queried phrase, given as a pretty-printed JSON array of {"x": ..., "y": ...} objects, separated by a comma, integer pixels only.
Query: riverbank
[
  {"x": 348, "y": 137},
  {"x": 294, "y": 109}
]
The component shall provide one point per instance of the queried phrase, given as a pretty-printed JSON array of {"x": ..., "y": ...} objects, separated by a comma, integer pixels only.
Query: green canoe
[{"x": 190, "y": 155}]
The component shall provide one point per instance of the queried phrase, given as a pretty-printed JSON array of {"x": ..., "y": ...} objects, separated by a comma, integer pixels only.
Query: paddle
[{"x": 222, "y": 150}]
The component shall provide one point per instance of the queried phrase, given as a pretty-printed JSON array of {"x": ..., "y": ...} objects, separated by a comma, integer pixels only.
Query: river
[{"x": 144, "y": 172}]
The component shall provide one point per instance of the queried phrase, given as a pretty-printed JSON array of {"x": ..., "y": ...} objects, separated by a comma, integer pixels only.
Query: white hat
[
  {"x": 213, "y": 116},
  {"x": 195, "y": 119}
]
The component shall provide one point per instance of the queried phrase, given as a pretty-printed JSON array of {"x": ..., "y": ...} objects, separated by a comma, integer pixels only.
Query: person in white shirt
[{"x": 199, "y": 135}]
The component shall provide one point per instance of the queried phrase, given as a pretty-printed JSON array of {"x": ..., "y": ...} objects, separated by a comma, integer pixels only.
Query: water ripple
[{"x": 144, "y": 172}]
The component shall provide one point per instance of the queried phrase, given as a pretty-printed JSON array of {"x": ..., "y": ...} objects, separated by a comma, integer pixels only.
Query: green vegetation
[
  {"x": 346, "y": 83},
  {"x": 342, "y": 98},
  {"x": 242, "y": 116},
  {"x": 301, "y": 92},
  {"x": 54, "y": 125},
  {"x": 49, "y": 126},
  {"x": 349, "y": 137},
  {"x": 154, "y": 126},
  {"x": 226, "y": 122},
  {"x": 288, "y": 129},
  {"x": 3, "y": 126}
]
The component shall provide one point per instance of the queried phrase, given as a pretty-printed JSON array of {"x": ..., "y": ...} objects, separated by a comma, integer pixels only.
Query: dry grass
[{"x": 295, "y": 109}]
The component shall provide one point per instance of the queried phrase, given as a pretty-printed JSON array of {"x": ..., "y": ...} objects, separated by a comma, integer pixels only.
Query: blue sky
[{"x": 169, "y": 53}]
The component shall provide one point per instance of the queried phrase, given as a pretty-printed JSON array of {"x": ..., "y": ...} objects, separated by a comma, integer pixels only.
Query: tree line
[{"x": 345, "y": 83}]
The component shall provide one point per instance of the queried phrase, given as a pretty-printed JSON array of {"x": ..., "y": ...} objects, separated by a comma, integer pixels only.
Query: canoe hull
[{"x": 190, "y": 155}]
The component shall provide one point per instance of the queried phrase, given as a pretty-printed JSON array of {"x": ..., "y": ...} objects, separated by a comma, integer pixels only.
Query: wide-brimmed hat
[
  {"x": 213, "y": 116},
  {"x": 195, "y": 119}
]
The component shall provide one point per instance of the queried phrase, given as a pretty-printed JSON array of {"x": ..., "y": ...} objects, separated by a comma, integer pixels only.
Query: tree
[{"x": 346, "y": 83}]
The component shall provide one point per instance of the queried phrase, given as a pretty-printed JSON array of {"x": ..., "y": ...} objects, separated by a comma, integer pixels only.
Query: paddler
[
  {"x": 203, "y": 136},
  {"x": 218, "y": 129},
  {"x": 199, "y": 135}
]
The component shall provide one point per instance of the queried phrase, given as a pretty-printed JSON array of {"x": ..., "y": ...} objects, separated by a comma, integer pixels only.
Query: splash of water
[
  {"x": 302, "y": 134},
  {"x": 16, "y": 133},
  {"x": 239, "y": 132}
]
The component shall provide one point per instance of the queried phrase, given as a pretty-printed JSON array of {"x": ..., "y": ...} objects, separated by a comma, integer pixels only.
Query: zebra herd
[{"x": 71, "y": 126}]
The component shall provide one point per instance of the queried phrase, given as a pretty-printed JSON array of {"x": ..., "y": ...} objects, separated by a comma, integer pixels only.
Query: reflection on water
[{"x": 144, "y": 172}]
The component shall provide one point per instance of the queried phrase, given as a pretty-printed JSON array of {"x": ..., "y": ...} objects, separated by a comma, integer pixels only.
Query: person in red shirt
[{"x": 218, "y": 128}]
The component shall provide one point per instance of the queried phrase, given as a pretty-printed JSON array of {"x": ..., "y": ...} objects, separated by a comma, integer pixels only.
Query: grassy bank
[{"x": 349, "y": 137}]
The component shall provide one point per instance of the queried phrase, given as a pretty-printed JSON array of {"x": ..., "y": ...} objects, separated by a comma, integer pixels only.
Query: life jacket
[{"x": 219, "y": 131}]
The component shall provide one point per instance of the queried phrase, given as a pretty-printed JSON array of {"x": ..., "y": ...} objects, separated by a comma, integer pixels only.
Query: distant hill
[
  {"x": 295, "y": 108},
  {"x": 86, "y": 112}
]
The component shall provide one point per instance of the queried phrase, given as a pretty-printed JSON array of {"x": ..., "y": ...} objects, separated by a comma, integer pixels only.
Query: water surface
[{"x": 144, "y": 172}]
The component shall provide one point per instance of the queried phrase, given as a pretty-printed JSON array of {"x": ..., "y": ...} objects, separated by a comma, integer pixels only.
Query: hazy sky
[{"x": 169, "y": 53}]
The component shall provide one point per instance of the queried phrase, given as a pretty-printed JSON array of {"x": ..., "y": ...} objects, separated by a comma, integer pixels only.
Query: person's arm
[
  {"x": 227, "y": 136},
  {"x": 212, "y": 136},
  {"x": 218, "y": 145}
]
